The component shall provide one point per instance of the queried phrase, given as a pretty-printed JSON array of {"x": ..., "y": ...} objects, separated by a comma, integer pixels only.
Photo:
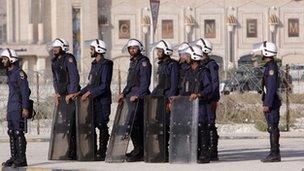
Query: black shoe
[
  {"x": 201, "y": 160},
  {"x": 136, "y": 156},
  {"x": 19, "y": 163},
  {"x": 214, "y": 155},
  {"x": 8, "y": 163},
  {"x": 100, "y": 156},
  {"x": 130, "y": 154},
  {"x": 272, "y": 157}
]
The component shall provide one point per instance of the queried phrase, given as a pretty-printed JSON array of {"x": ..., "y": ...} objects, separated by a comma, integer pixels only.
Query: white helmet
[
  {"x": 58, "y": 42},
  {"x": 205, "y": 45},
  {"x": 11, "y": 54},
  {"x": 195, "y": 53},
  {"x": 135, "y": 42},
  {"x": 165, "y": 46},
  {"x": 269, "y": 49},
  {"x": 99, "y": 45},
  {"x": 183, "y": 46}
]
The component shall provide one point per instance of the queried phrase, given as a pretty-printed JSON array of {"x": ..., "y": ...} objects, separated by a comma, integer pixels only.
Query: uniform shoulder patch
[
  {"x": 144, "y": 63},
  {"x": 71, "y": 60},
  {"x": 271, "y": 72},
  {"x": 22, "y": 75}
]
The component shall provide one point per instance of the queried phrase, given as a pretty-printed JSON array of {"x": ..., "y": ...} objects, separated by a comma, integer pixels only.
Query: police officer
[
  {"x": 138, "y": 82},
  {"x": 168, "y": 71},
  {"x": 17, "y": 108},
  {"x": 98, "y": 88},
  {"x": 271, "y": 99},
  {"x": 183, "y": 66},
  {"x": 168, "y": 79},
  {"x": 211, "y": 64},
  {"x": 197, "y": 84},
  {"x": 66, "y": 83}
]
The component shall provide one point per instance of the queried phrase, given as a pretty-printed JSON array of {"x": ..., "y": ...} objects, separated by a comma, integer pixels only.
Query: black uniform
[
  {"x": 99, "y": 86},
  {"x": 271, "y": 99},
  {"x": 18, "y": 100},
  {"x": 212, "y": 105},
  {"x": 199, "y": 81},
  {"x": 168, "y": 81},
  {"x": 138, "y": 83},
  {"x": 66, "y": 81}
]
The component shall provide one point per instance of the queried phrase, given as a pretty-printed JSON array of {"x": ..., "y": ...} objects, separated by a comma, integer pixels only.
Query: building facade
[{"x": 231, "y": 25}]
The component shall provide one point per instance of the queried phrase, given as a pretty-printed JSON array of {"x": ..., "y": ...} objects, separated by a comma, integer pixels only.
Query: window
[
  {"x": 210, "y": 30},
  {"x": 124, "y": 29},
  {"x": 252, "y": 28},
  {"x": 167, "y": 29},
  {"x": 293, "y": 27}
]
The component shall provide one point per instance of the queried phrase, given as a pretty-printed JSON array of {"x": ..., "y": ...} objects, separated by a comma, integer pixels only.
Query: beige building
[{"x": 231, "y": 25}]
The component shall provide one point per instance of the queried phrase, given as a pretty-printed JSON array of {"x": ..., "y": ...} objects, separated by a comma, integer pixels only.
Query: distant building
[{"x": 231, "y": 25}]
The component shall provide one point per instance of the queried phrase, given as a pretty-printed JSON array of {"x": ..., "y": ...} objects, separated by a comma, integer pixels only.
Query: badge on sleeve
[
  {"x": 144, "y": 64},
  {"x": 22, "y": 76},
  {"x": 271, "y": 72},
  {"x": 70, "y": 60}
]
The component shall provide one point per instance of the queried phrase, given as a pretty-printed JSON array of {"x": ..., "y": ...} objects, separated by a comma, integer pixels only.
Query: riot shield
[
  {"x": 120, "y": 135},
  {"x": 85, "y": 130},
  {"x": 183, "y": 130},
  {"x": 155, "y": 129},
  {"x": 61, "y": 126}
]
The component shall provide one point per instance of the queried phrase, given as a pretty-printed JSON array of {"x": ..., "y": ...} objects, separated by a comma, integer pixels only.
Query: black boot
[
  {"x": 203, "y": 151},
  {"x": 103, "y": 142},
  {"x": 21, "y": 148},
  {"x": 72, "y": 152},
  {"x": 213, "y": 142},
  {"x": 11, "y": 160},
  {"x": 137, "y": 139},
  {"x": 274, "y": 155}
]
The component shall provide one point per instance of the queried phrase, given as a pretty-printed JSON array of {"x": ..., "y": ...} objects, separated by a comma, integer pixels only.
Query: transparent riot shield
[
  {"x": 122, "y": 127},
  {"x": 61, "y": 129},
  {"x": 85, "y": 130},
  {"x": 155, "y": 136},
  {"x": 183, "y": 130}
]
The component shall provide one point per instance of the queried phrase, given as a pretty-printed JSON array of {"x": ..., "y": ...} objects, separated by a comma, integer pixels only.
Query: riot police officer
[
  {"x": 168, "y": 78},
  {"x": 17, "y": 108},
  {"x": 211, "y": 64},
  {"x": 271, "y": 99},
  {"x": 168, "y": 71},
  {"x": 138, "y": 82},
  {"x": 197, "y": 84},
  {"x": 183, "y": 66},
  {"x": 98, "y": 88},
  {"x": 66, "y": 84}
]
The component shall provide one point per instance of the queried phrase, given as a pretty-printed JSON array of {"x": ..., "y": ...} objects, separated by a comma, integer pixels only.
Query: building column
[
  {"x": 10, "y": 21},
  {"x": 41, "y": 63},
  {"x": 40, "y": 22}
]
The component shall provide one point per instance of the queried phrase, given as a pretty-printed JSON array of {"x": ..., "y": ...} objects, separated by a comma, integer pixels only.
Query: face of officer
[
  {"x": 6, "y": 62},
  {"x": 205, "y": 56},
  {"x": 267, "y": 58},
  {"x": 188, "y": 58},
  {"x": 57, "y": 51},
  {"x": 93, "y": 53},
  {"x": 182, "y": 57},
  {"x": 133, "y": 51},
  {"x": 160, "y": 53}
]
